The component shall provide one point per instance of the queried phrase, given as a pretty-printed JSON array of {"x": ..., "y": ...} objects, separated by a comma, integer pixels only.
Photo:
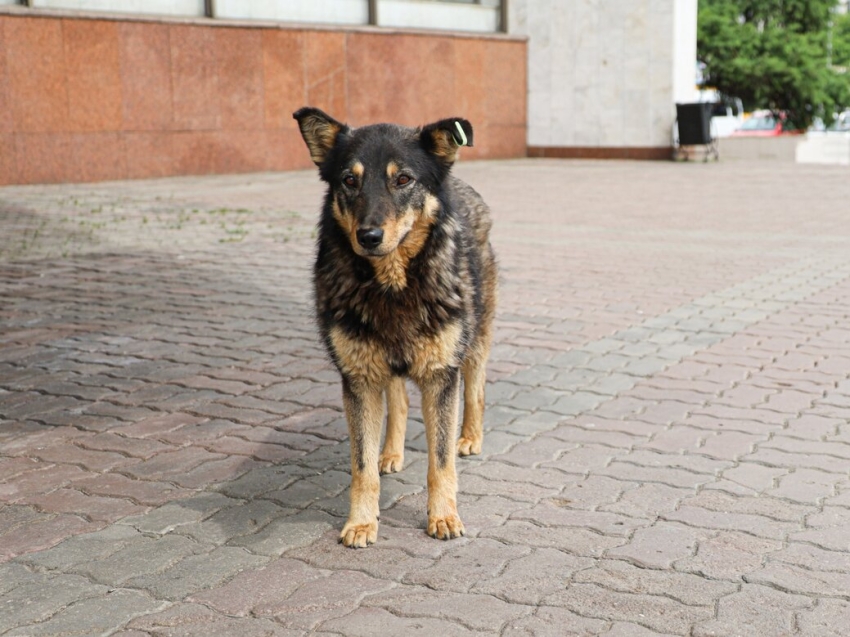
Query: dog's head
[{"x": 383, "y": 178}]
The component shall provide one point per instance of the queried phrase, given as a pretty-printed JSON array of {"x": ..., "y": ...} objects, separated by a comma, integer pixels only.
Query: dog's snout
[{"x": 370, "y": 238}]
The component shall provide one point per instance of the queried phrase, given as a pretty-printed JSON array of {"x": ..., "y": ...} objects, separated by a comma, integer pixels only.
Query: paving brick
[
  {"x": 794, "y": 579},
  {"x": 196, "y": 572},
  {"x": 757, "y": 525},
  {"x": 232, "y": 522},
  {"x": 593, "y": 492},
  {"x": 527, "y": 579},
  {"x": 478, "y": 612},
  {"x": 37, "y": 596},
  {"x": 319, "y": 600},
  {"x": 728, "y": 555},
  {"x": 658, "y": 613},
  {"x": 185, "y": 620},
  {"x": 42, "y": 533},
  {"x": 366, "y": 622},
  {"x": 806, "y": 486},
  {"x": 578, "y": 541},
  {"x": 829, "y": 618},
  {"x": 766, "y": 506},
  {"x": 91, "y": 507},
  {"x": 171, "y": 464},
  {"x": 472, "y": 561},
  {"x": 174, "y": 515},
  {"x": 261, "y": 587},
  {"x": 647, "y": 500},
  {"x": 688, "y": 589},
  {"x": 137, "y": 558},
  {"x": 754, "y": 610},
  {"x": 659, "y": 545},
  {"x": 292, "y": 531},
  {"x": 101, "y": 614},
  {"x": 555, "y": 622},
  {"x": 558, "y": 512}
]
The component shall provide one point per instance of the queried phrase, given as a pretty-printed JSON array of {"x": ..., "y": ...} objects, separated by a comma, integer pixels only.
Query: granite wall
[{"x": 92, "y": 98}]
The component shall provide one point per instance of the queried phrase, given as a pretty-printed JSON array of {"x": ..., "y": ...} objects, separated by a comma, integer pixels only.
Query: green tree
[
  {"x": 841, "y": 42},
  {"x": 773, "y": 54}
]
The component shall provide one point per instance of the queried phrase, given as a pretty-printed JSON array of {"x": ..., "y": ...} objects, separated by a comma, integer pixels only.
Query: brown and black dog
[{"x": 405, "y": 286}]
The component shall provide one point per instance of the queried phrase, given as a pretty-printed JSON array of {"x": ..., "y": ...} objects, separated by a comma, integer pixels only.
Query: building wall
[
  {"x": 91, "y": 99},
  {"x": 604, "y": 74}
]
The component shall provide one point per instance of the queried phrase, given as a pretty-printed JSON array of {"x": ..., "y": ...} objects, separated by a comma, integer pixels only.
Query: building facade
[{"x": 96, "y": 90}]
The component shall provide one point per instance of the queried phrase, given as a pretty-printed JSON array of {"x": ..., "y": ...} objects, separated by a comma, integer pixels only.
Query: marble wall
[{"x": 603, "y": 73}]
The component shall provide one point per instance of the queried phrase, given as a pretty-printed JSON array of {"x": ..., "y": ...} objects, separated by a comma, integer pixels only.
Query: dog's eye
[
  {"x": 403, "y": 180},
  {"x": 350, "y": 181}
]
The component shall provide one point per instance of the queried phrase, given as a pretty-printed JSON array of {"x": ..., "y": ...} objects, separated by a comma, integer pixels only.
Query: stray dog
[{"x": 405, "y": 287}]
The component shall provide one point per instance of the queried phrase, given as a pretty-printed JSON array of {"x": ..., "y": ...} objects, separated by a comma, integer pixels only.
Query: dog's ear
[
  {"x": 319, "y": 130},
  {"x": 443, "y": 138}
]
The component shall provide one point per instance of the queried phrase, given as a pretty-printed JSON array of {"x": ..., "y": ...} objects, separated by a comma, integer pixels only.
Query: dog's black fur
[{"x": 405, "y": 287}]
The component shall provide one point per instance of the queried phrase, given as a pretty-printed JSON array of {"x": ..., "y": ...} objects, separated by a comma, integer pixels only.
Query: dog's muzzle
[{"x": 370, "y": 238}]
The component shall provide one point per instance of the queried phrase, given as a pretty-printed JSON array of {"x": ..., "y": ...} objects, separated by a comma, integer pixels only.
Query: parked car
[
  {"x": 766, "y": 124},
  {"x": 727, "y": 116}
]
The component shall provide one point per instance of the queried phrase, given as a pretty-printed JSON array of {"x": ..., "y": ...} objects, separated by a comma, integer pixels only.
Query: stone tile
[
  {"x": 661, "y": 614},
  {"x": 197, "y": 572},
  {"x": 366, "y": 622},
  {"x": 112, "y": 608},
  {"x": 658, "y": 546},
  {"x": 260, "y": 587},
  {"x": 688, "y": 589},
  {"x": 828, "y": 618},
  {"x": 319, "y": 600},
  {"x": 754, "y": 609},
  {"x": 478, "y": 612},
  {"x": 473, "y": 561},
  {"x": 728, "y": 555},
  {"x": 184, "y": 620},
  {"x": 554, "y": 622},
  {"x": 527, "y": 579},
  {"x": 36, "y": 597},
  {"x": 577, "y": 541}
]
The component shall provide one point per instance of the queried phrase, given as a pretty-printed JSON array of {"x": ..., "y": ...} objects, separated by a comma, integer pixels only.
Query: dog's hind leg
[
  {"x": 391, "y": 459},
  {"x": 364, "y": 410},
  {"x": 474, "y": 377},
  {"x": 440, "y": 398}
]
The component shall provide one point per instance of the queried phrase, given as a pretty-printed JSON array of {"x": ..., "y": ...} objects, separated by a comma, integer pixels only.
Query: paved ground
[{"x": 668, "y": 446}]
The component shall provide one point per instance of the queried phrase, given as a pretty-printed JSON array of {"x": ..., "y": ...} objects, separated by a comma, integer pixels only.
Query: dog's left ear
[
  {"x": 443, "y": 138},
  {"x": 319, "y": 130}
]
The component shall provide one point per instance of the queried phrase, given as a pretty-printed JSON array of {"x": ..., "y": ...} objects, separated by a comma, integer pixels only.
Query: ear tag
[{"x": 461, "y": 141}]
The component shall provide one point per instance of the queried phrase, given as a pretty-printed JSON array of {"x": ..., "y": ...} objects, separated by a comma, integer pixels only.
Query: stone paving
[{"x": 668, "y": 431}]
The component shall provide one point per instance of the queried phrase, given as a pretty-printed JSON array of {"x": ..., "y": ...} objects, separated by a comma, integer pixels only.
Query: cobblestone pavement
[{"x": 668, "y": 434}]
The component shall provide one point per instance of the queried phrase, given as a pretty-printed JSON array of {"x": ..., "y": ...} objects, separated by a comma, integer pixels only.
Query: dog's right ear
[{"x": 319, "y": 130}]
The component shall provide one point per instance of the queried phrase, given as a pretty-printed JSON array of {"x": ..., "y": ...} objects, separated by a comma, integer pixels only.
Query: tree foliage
[{"x": 773, "y": 54}]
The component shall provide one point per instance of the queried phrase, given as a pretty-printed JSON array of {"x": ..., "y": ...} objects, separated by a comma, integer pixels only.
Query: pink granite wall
[{"x": 85, "y": 99}]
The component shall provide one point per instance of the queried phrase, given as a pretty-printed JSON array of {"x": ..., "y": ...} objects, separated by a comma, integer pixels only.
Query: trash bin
[
  {"x": 694, "y": 123},
  {"x": 694, "y": 128}
]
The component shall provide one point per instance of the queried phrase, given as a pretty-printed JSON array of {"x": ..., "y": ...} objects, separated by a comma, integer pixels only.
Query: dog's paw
[
  {"x": 390, "y": 462},
  {"x": 359, "y": 536},
  {"x": 468, "y": 446},
  {"x": 445, "y": 528}
]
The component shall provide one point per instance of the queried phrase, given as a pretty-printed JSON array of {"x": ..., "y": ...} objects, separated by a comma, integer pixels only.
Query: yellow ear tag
[{"x": 462, "y": 140}]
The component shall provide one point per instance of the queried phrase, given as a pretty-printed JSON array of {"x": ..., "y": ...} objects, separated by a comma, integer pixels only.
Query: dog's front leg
[
  {"x": 440, "y": 397},
  {"x": 364, "y": 410}
]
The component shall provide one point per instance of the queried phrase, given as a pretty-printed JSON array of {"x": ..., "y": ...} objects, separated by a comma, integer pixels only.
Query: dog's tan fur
[{"x": 416, "y": 302}]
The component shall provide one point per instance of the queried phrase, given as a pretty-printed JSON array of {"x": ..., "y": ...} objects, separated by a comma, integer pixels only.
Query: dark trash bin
[{"x": 694, "y": 126}]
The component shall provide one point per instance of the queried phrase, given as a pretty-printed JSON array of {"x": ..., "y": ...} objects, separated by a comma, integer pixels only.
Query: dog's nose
[{"x": 370, "y": 238}]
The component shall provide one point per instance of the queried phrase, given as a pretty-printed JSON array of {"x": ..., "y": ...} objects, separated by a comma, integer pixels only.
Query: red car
[{"x": 765, "y": 124}]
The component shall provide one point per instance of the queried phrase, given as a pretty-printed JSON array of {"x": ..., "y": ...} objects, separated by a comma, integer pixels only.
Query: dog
[{"x": 405, "y": 283}]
